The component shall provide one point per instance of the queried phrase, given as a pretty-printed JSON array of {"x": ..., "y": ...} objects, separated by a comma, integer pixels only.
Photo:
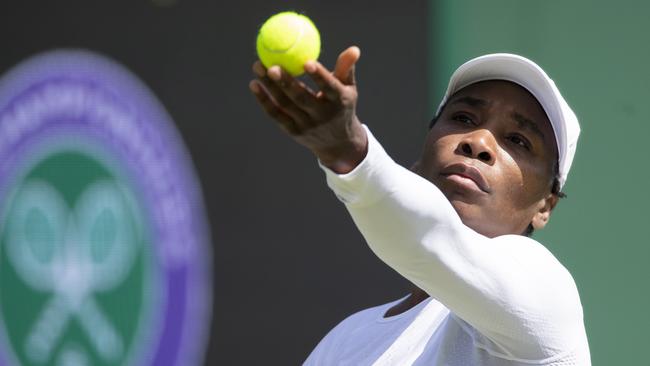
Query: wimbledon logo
[{"x": 104, "y": 247}]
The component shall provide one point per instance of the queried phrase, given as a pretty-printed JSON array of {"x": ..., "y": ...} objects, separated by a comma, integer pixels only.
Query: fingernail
[
  {"x": 310, "y": 66},
  {"x": 274, "y": 73}
]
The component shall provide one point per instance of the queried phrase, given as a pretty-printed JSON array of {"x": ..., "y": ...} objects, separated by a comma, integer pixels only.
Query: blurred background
[{"x": 288, "y": 263}]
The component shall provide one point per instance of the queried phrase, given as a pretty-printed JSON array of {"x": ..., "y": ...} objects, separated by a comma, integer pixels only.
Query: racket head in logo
[
  {"x": 37, "y": 220},
  {"x": 107, "y": 238}
]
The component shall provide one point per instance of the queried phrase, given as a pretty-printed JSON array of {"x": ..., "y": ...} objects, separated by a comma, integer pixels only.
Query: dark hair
[{"x": 555, "y": 187}]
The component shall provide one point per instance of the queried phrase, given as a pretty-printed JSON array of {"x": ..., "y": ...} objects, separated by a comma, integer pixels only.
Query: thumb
[{"x": 344, "y": 70}]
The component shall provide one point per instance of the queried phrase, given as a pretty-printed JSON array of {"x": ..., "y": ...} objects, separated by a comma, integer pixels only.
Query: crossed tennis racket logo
[{"x": 72, "y": 253}]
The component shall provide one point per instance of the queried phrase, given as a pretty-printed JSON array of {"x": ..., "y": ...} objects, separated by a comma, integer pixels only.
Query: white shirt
[{"x": 502, "y": 301}]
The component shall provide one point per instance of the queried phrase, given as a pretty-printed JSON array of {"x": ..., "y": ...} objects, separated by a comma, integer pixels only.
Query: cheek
[
  {"x": 522, "y": 185},
  {"x": 510, "y": 176},
  {"x": 437, "y": 149}
]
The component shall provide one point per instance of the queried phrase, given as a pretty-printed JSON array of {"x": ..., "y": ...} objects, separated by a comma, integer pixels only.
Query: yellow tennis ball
[{"x": 288, "y": 39}]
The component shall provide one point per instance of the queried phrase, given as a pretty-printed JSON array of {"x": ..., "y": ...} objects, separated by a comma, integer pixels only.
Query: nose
[{"x": 479, "y": 144}]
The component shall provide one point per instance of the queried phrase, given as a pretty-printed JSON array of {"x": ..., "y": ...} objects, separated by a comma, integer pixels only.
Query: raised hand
[{"x": 324, "y": 121}]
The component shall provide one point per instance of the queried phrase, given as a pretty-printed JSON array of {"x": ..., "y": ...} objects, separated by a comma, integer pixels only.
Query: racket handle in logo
[
  {"x": 100, "y": 331},
  {"x": 48, "y": 329}
]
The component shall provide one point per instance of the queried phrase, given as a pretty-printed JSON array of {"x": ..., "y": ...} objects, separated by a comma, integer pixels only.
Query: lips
[{"x": 466, "y": 175}]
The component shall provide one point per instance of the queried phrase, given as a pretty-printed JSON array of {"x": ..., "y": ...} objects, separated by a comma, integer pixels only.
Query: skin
[{"x": 494, "y": 126}]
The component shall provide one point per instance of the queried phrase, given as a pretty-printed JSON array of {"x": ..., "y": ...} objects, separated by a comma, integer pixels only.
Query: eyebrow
[
  {"x": 471, "y": 101},
  {"x": 527, "y": 124}
]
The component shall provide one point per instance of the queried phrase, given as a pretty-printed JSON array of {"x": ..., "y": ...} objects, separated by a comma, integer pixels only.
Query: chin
[
  {"x": 473, "y": 216},
  {"x": 468, "y": 212}
]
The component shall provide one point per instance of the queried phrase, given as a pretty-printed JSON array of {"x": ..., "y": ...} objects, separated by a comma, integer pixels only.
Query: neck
[{"x": 416, "y": 297}]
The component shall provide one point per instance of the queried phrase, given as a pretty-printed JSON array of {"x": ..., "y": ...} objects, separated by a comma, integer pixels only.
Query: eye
[
  {"x": 520, "y": 141},
  {"x": 463, "y": 118}
]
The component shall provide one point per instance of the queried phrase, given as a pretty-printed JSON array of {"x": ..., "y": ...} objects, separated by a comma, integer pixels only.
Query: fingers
[
  {"x": 328, "y": 84},
  {"x": 344, "y": 70},
  {"x": 272, "y": 109},
  {"x": 285, "y": 121},
  {"x": 297, "y": 107},
  {"x": 294, "y": 89},
  {"x": 298, "y": 113}
]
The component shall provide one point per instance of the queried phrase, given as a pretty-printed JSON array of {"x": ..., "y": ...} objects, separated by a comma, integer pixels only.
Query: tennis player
[{"x": 457, "y": 224}]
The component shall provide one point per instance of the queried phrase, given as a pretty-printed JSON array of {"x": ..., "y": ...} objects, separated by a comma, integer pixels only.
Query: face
[{"x": 492, "y": 153}]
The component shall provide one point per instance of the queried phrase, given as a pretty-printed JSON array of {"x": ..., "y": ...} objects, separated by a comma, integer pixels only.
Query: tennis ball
[{"x": 288, "y": 39}]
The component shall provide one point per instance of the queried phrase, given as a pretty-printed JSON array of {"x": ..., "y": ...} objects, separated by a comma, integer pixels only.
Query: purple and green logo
[{"x": 104, "y": 246}]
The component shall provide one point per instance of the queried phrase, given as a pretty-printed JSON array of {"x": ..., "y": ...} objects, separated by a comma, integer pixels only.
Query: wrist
[{"x": 344, "y": 158}]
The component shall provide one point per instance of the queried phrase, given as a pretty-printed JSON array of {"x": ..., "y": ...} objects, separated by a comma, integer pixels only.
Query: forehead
[{"x": 506, "y": 97}]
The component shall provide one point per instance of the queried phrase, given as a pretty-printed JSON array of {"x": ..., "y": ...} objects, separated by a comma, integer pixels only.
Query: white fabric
[
  {"x": 524, "y": 72},
  {"x": 510, "y": 301}
]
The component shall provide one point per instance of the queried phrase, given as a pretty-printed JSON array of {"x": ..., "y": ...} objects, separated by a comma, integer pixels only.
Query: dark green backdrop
[{"x": 597, "y": 53}]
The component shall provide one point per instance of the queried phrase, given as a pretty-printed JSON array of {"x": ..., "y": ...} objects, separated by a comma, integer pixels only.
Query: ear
[{"x": 543, "y": 214}]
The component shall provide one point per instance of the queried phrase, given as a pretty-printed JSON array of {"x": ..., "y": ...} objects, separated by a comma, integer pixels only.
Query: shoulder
[
  {"x": 542, "y": 292},
  {"x": 554, "y": 287},
  {"x": 533, "y": 255}
]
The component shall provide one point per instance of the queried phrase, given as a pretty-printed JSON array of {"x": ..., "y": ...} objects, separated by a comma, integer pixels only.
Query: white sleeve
[{"x": 510, "y": 288}]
